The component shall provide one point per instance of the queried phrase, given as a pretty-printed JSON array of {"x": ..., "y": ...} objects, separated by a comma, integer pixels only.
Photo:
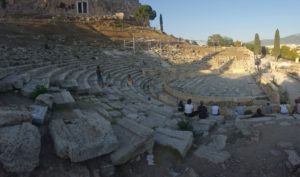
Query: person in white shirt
[
  {"x": 239, "y": 110},
  {"x": 283, "y": 109},
  {"x": 189, "y": 108},
  {"x": 215, "y": 110}
]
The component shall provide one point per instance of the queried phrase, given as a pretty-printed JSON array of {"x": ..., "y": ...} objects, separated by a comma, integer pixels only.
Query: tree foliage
[
  {"x": 237, "y": 44},
  {"x": 249, "y": 46},
  {"x": 276, "y": 49},
  {"x": 161, "y": 22},
  {"x": 257, "y": 45},
  {"x": 145, "y": 13},
  {"x": 288, "y": 53},
  {"x": 218, "y": 40},
  {"x": 264, "y": 51}
]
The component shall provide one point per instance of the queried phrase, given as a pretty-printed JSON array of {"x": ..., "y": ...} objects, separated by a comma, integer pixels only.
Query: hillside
[
  {"x": 56, "y": 31},
  {"x": 292, "y": 39}
]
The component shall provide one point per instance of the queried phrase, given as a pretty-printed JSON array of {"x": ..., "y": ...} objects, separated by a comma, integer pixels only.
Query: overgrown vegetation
[
  {"x": 184, "y": 126},
  {"x": 248, "y": 112},
  {"x": 40, "y": 89},
  {"x": 276, "y": 49},
  {"x": 218, "y": 40},
  {"x": 288, "y": 53},
  {"x": 144, "y": 13}
]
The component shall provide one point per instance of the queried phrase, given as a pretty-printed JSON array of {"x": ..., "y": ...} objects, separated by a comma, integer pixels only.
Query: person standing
[{"x": 99, "y": 76}]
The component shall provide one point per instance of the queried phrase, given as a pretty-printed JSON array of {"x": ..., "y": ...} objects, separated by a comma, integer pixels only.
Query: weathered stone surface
[
  {"x": 285, "y": 145},
  {"x": 189, "y": 172},
  {"x": 180, "y": 140},
  {"x": 13, "y": 116},
  {"x": 214, "y": 150},
  {"x": 134, "y": 139},
  {"x": 73, "y": 171},
  {"x": 14, "y": 82},
  {"x": 62, "y": 98},
  {"x": 86, "y": 136},
  {"x": 204, "y": 125},
  {"x": 212, "y": 154},
  {"x": 45, "y": 100},
  {"x": 38, "y": 113},
  {"x": 293, "y": 158},
  {"x": 219, "y": 142},
  {"x": 29, "y": 88},
  {"x": 20, "y": 147}
]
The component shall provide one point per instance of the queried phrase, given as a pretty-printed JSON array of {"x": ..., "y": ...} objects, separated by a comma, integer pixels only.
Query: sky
[{"x": 238, "y": 19}]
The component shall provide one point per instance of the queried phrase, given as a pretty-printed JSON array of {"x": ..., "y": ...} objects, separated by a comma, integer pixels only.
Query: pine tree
[
  {"x": 276, "y": 49},
  {"x": 161, "y": 23},
  {"x": 257, "y": 45}
]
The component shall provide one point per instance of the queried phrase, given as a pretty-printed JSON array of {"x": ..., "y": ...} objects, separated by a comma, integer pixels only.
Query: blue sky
[{"x": 238, "y": 19}]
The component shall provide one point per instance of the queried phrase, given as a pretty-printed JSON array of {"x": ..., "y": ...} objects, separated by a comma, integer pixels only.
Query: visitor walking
[{"x": 99, "y": 76}]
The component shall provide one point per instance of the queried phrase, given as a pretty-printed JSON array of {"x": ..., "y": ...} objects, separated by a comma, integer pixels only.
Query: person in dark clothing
[
  {"x": 180, "y": 106},
  {"x": 202, "y": 110},
  {"x": 258, "y": 113},
  {"x": 99, "y": 76}
]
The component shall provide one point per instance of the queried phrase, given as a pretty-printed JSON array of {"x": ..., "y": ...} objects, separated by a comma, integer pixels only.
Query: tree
[
  {"x": 218, "y": 40},
  {"x": 288, "y": 53},
  {"x": 264, "y": 51},
  {"x": 276, "y": 49},
  {"x": 145, "y": 13},
  {"x": 161, "y": 23},
  {"x": 257, "y": 45},
  {"x": 237, "y": 44},
  {"x": 249, "y": 46}
]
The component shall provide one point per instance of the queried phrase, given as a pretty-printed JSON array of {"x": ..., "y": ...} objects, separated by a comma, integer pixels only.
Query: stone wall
[
  {"x": 68, "y": 7},
  {"x": 269, "y": 88}
]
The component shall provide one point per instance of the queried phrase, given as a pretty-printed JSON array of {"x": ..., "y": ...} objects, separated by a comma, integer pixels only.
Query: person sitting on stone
[
  {"x": 239, "y": 110},
  {"x": 180, "y": 106},
  {"x": 215, "y": 110},
  {"x": 129, "y": 80},
  {"x": 268, "y": 109},
  {"x": 258, "y": 113},
  {"x": 283, "y": 109},
  {"x": 202, "y": 111},
  {"x": 189, "y": 108}
]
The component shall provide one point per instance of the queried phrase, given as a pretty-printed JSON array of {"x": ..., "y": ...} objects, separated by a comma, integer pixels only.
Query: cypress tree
[
  {"x": 276, "y": 49},
  {"x": 161, "y": 23},
  {"x": 257, "y": 45}
]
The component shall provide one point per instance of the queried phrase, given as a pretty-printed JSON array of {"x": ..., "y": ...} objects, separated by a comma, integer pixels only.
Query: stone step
[{"x": 134, "y": 139}]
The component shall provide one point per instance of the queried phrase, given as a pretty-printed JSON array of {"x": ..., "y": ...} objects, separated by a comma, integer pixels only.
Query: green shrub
[
  {"x": 39, "y": 89},
  {"x": 248, "y": 112},
  {"x": 184, "y": 126}
]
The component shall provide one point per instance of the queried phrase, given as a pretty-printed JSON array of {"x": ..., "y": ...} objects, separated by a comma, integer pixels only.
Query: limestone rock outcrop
[
  {"x": 83, "y": 137},
  {"x": 20, "y": 147}
]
